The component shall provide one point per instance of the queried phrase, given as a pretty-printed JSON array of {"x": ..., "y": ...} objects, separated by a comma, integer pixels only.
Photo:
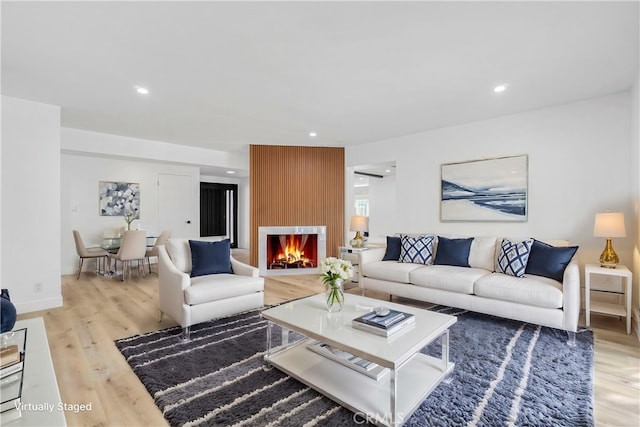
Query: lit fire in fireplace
[
  {"x": 291, "y": 250},
  {"x": 291, "y": 253}
]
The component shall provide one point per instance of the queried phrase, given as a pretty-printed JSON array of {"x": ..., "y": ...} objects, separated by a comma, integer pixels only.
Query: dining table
[{"x": 112, "y": 245}]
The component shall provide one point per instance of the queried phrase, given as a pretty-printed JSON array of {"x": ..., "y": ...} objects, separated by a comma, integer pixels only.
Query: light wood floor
[{"x": 98, "y": 311}]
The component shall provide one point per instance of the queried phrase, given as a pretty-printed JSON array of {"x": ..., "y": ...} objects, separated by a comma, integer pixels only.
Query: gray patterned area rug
[{"x": 507, "y": 373}]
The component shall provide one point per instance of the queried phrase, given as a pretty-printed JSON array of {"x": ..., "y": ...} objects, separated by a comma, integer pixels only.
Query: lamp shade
[
  {"x": 359, "y": 223},
  {"x": 609, "y": 224}
]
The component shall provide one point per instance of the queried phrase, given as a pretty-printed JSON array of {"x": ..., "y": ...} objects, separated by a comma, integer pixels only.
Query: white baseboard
[{"x": 37, "y": 305}]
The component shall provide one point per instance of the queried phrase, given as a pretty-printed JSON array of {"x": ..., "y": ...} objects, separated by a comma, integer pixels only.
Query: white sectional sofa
[{"x": 480, "y": 286}]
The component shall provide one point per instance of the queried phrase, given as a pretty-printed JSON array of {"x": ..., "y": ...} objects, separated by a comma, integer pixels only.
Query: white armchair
[{"x": 191, "y": 300}]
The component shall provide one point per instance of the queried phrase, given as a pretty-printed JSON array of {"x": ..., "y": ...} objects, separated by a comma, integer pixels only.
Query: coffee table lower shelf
[{"x": 366, "y": 397}]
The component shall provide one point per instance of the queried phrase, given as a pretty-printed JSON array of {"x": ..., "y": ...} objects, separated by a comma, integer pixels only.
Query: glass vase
[{"x": 334, "y": 296}]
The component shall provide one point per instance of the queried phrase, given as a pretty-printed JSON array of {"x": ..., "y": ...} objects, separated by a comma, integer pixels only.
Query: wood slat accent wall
[{"x": 291, "y": 186}]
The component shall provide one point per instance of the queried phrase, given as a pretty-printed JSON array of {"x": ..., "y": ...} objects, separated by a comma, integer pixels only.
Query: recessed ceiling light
[
  {"x": 142, "y": 90},
  {"x": 312, "y": 134},
  {"x": 231, "y": 172},
  {"x": 500, "y": 88}
]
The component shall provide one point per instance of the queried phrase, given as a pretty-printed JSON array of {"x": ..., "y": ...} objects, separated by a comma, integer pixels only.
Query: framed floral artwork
[{"x": 485, "y": 190}]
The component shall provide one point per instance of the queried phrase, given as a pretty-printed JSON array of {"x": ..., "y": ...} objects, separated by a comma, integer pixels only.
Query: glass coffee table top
[{"x": 310, "y": 317}]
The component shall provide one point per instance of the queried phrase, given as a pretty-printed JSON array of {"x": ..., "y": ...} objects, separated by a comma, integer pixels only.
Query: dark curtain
[{"x": 219, "y": 210}]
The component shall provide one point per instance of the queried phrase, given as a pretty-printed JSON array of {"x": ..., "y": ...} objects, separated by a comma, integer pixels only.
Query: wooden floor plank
[{"x": 99, "y": 310}]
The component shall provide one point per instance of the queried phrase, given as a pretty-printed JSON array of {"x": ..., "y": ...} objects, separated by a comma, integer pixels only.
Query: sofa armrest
[
  {"x": 372, "y": 255},
  {"x": 243, "y": 269},
  {"x": 169, "y": 275},
  {"x": 172, "y": 283},
  {"x": 571, "y": 295}
]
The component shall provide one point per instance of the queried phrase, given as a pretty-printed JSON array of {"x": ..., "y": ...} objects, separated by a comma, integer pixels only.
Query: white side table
[
  {"x": 353, "y": 255},
  {"x": 622, "y": 309}
]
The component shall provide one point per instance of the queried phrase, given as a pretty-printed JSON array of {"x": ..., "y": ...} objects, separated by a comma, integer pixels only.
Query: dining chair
[
  {"x": 97, "y": 253},
  {"x": 153, "y": 251},
  {"x": 133, "y": 248}
]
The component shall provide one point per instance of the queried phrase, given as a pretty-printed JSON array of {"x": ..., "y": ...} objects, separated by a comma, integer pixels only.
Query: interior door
[{"x": 175, "y": 205}]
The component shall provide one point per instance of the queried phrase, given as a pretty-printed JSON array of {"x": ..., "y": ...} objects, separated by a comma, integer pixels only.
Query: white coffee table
[{"x": 389, "y": 400}]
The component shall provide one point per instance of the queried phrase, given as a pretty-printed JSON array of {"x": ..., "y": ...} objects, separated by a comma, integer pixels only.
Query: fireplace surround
[{"x": 291, "y": 249}]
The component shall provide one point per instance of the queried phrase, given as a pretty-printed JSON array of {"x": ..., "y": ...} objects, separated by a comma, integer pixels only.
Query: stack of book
[
  {"x": 385, "y": 325},
  {"x": 12, "y": 351},
  {"x": 364, "y": 366}
]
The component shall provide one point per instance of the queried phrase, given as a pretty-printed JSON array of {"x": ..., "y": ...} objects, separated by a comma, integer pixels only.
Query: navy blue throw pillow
[
  {"x": 549, "y": 261},
  {"x": 453, "y": 252},
  {"x": 393, "y": 249},
  {"x": 210, "y": 257}
]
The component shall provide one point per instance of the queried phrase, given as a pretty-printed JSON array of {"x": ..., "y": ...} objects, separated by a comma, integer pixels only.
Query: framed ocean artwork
[{"x": 485, "y": 190}]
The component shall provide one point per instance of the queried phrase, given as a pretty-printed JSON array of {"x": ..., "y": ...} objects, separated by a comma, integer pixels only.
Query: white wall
[
  {"x": 1, "y": 203},
  {"x": 116, "y": 146},
  {"x": 575, "y": 152},
  {"x": 382, "y": 202},
  {"x": 80, "y": 175},
  {"x": 89, "y": 157},
  {"x": 30, "y": 204},
  {"x": 634, "y": 165}
]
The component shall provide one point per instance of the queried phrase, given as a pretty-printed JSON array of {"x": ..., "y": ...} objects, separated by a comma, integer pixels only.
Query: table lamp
[
  {"x": 359, "y": 224},
  {"x": 609, "y": 225}
]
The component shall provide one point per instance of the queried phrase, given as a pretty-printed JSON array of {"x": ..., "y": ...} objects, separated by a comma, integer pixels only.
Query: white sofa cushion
[
  {"x": 528, "y": 290},
  {"x": 215, "y": 287},
  {"x": 392, "y": 271},
  {"x": 448, "y": 278}
]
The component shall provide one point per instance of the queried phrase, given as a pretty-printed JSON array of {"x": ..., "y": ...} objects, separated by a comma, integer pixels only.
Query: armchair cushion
[
  {"x": 210, "y": 257},
  {"x": 217, "y": 287}
]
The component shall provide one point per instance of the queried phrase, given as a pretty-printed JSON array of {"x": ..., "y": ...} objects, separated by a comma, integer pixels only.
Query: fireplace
[{"x": 291, "y": 250}]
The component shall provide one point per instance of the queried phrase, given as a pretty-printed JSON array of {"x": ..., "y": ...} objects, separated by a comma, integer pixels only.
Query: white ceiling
[{"x": 227, "y": 74}]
